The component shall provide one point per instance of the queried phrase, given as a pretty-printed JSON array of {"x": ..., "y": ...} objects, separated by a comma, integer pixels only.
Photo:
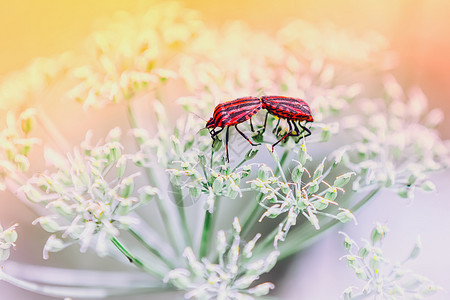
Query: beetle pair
[{"x": 242, "y": 109}]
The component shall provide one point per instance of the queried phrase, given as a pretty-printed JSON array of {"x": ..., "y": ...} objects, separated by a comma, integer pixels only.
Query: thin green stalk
[
  {"x": 152, "y": 249},
  {"x": 212, "y": 156},
  {"x": 206, "y": 233},
  {"x": 281, "y": 163},
  {"x": 136, "y": 261},
  {"x": 280, "y": 167},
  {"x": 79, "y": 292},
  {"x": 131, "y": 117},
  {"x": 255, "y": 212},
  {"x": 161, "y": 203},
  {"x": 239, "y": 164},
  {"x": 251, "y": 216},
  {"x": 178, "y": 197},
  {"x": 168, "y": 224},
  {"x": 208, "y": 226}
]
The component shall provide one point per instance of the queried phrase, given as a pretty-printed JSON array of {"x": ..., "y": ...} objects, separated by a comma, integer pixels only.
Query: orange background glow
[{"x": 418, "y": 30}]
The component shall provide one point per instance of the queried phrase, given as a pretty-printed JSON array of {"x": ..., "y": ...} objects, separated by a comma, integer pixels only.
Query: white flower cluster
[
  {"x": 397, "y": 144},
  {"x": 384, "y": 279},
  {"x": 133, "y": 54},
  {"x": 300, "y": 197},
  {"x": 231, "y": 278},
  {"x": 88, "y": 203}
]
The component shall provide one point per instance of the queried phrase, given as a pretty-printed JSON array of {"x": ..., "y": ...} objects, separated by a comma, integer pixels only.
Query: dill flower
[
  {"x": 7, "y": 239},
  {"x": 88, "y": 204},
  {"x": 231, "y": 278}
]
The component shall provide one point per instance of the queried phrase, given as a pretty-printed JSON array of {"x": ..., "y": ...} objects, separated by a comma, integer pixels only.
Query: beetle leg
[
  {"x": 245, "y": 137},
  {"x": 297, "y": 131},
  {"x": 251, "y": 125},
  {"x": 265, "y": 123},
  {"x": 285, "y": 136},
  {"x": 226, "y": 143},
  {"x": 214, "y": 133},
  {"x": 305, "y": 129},
  {"x": 275, "y": 128}
]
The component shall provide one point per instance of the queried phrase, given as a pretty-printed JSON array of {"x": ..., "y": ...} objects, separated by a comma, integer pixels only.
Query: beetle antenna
[{"x": 198, "y": 116}]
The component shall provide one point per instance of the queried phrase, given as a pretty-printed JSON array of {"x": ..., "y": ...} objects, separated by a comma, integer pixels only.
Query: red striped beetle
[
  {"x": 232, "y": 113},
  {"x": 291, "y": 109}
]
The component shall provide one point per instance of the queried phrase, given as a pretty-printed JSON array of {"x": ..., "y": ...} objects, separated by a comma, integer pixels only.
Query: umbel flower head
[
  {"x": 88, "y": 203},
  {"x": 132, "y": 54},
  {"x": 231, "y": 278},
  {"x": 397, "y": 144},
  {"x": 384, "y": 279}
]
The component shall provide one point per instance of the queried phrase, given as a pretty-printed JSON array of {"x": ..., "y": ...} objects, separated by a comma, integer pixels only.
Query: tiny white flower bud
[
  {"x": 221, "y": 242},
  {"x": 48, "y": 224},
  {"x": 179, "y": 278},
  {"x": 245, "y": 281},
  {"x": 121, "y": 165},
  {"x": 209, "y": 203},
  {"x": 9, "y": 235},
  {"x": 417, "y": 248},
  {"x": 345, "y": 215},
  {"x": 147, "y": 193},
  {"x": 114, "y": 134},
  {"x": 27, "y": 120},
  {"x": 53, "y": 244},
  {"x": 22, "y": 162},
  {"x": 271, "y": 260},
  {"x": 236, "y": 225},
  {"x": 31, "y": 193},
  {"x": 262, "y": 289},
  {"x": 250, "y": 245},
  {"x": 61, "y": 207},
  {"x": 428, "y": 186}
]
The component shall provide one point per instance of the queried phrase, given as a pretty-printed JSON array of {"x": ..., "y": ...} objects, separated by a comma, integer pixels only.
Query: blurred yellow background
[{"x": 417, "y": 29}]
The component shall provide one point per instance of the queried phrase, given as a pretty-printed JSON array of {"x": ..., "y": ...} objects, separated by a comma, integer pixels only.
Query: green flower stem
[
  {"x": 162, "y": 207},
  {"x": 252, "y": 216},
  {"x": 131, "y": 116},
  {"x": 305, "y": 233},
  {"x": 255, "y": 212},
  {"x": 79, "y": 292},
  {"x": 206, "y": 233},
  {"x": 178, "y": 197},
  {"x": 280, "y": 164},
  {"x": 152, "y": 249},
  {"x": 208, "y": 226},
  {"x": 239, "y": 164},
  {"x": 212, "y": 157},
  {"x": 136, "y": 261}
]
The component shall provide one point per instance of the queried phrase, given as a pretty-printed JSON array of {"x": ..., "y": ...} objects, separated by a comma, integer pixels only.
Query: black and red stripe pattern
[
  {"x": 294, "y": 110},
  {"x": 287, "y": 108},
  {"x": 232, "y": 113}
]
